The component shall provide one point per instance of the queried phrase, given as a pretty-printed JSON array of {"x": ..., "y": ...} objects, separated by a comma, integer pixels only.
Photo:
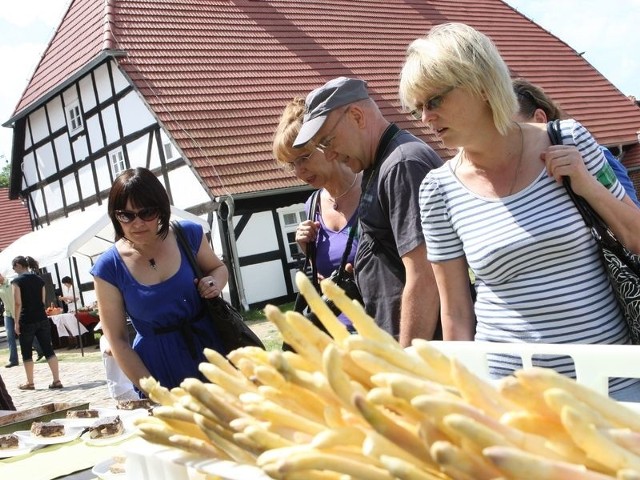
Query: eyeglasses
[
  {"x": 298, "y": 162},
  {"x": 430, "y": 104},
  {"x": 145, "y": 214},
  {"x": 325, "y": 143}
]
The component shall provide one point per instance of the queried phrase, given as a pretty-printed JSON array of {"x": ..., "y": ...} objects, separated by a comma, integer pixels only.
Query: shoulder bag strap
[
  {"x": 184, "y": 244},
  {"x": 590, "y": 217},
  {"x": 310, "y": 259}
]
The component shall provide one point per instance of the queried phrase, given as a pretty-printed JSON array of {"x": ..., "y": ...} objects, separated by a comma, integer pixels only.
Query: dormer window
[{"x": 74, "y": 117}]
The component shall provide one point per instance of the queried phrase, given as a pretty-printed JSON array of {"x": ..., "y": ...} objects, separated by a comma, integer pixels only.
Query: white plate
[
  {"x": 22, "y": 448},
  {"x": 78, "y": 422},
  {"x": 70, "y": 435},
  {"x": 101, "y": 470},
  {"x": 99, "y": 442}
]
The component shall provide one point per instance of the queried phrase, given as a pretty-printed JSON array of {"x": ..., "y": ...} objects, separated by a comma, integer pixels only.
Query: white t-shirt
[
  {"x": 67, "y": 291},
  {"x": 539, "y": 278}
]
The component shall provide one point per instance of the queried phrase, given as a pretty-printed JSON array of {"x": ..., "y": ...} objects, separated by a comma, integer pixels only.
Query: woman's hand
[
  {"x": 307, "y": 232},
  {"x": 566, "y": 161},
  {"x": 208, "y": 287}
]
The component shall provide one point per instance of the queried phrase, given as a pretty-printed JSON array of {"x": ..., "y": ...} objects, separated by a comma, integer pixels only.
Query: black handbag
[
  {"x": 340, "y": 277},
  {"x": 231, "y": 326},
  {"x": 621, "y": 265}
]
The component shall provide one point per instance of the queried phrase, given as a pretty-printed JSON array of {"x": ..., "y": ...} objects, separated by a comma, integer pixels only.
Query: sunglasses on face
[
  {"x": 431, "y": 104},
  {"x": 145, "y": 214}
]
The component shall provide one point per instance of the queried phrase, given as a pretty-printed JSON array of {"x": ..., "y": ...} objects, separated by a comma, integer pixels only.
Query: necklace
[
  {"x": 515, "y": 175},
  {"x": 335, "y": 199},
  {"x": 151, "y": 261}
]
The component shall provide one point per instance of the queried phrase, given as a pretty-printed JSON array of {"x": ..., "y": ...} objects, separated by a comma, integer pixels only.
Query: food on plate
[
  {"x": 135, "y": 404},
  {"x": 83, "y": 414},
  {"x": 361, "y": 406},
  {"x": 106, "y": 427},
  {"x": 9, "y": 441},
  {"x": 47, "y": 429},
  {"x": 118, "y": 465}
]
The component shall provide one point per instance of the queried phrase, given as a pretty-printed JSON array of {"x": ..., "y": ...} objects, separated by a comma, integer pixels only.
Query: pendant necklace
[
  {"x": 152, "y": 263},
  {"x": 335, "y": 200}
]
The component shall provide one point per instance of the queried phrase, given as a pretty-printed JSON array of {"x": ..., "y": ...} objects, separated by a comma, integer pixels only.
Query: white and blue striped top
[{"x": 538, "y": 275}]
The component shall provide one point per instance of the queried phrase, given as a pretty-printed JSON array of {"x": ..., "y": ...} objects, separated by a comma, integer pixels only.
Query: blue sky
[{"x": 606, "y": 30}]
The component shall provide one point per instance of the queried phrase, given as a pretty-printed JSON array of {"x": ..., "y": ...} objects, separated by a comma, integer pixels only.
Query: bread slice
[
  {"x": 106, "y": 427},
  {"x": 47, "y": 429},
  {"x": 9, "y": 441}
]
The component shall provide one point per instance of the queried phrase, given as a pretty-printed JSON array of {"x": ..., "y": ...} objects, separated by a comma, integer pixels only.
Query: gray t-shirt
[{"x": 390, "y": 224}]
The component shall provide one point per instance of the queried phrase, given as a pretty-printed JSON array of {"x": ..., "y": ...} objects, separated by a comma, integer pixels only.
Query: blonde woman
[{"x": 499, "y": 207}]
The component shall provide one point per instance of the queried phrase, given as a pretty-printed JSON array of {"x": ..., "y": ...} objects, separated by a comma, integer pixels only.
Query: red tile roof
[
  {"x": 219, "y": 72},
  {"x": 14, "y": 221}
]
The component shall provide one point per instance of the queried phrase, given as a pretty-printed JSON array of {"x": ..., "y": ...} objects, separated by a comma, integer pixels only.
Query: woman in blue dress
[{"x": 146, "y": 276}]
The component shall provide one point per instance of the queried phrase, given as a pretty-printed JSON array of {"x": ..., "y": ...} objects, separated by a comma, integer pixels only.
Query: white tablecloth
[{"x": 67, "y": 325}]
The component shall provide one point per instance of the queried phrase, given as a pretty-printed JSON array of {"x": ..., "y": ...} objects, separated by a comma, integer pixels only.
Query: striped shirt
[{"x": 539, "y": 278}]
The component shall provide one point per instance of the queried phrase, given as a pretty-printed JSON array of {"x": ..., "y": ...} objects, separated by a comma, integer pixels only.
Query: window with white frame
[
  {"x": 74, "y": 117},
  {"x": 290, "y": 218},
  {"x": 169, "y": 151},
  {"x": 116, "y": 159}
]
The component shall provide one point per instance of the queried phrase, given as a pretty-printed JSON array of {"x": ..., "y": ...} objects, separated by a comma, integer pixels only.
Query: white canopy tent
[{"x": 86, "y": 234}]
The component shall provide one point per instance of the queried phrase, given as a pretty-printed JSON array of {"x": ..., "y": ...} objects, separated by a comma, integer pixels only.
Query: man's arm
[{"x": 420, "y": 302}]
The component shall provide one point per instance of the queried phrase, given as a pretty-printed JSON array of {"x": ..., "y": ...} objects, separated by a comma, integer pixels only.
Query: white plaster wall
[
  {"x": 94, "y": 132},
  {"x": 39, "y": 129},
  {"x": 186, "y": 190},
  {"x": 134, "y": 114},
  {"x": 258, "y": 236},
  {"x": 263, "y": 281},
  {"x": 56, "y": 115},
  {"x": 87, "y": 95},
  {"x": 103, "y": 83}
]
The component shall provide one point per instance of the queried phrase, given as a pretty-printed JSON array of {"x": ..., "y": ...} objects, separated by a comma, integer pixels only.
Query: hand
[
  {"x": 566, "y": 161},
  {"x": 207, "y": 287},
  {"x": 307, "y": 232}
]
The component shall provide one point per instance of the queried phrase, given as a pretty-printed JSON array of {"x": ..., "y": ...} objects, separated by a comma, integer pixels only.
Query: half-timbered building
[{"x": 193, "y": 90}]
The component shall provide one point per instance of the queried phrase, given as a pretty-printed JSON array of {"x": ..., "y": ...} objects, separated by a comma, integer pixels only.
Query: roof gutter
[{"x": 100, "y": 58}]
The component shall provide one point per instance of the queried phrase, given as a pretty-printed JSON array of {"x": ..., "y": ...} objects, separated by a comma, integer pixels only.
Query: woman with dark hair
[
  {"x": 31, "y": 320},
  {"x": 146, "y": 276},
  {"x": 69, "y": 296}
]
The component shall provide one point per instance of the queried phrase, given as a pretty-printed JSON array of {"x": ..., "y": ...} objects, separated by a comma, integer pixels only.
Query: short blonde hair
[
  {"x": 287, "y": 131},
  {"x": 457, "y": 55}
]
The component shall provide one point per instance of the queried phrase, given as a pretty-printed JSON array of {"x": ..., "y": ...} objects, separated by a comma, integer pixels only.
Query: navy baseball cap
[{"x": 323, "y": 100}]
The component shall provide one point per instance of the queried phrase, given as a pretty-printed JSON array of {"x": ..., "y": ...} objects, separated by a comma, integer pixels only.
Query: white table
[{"x": 68, "y": 325}]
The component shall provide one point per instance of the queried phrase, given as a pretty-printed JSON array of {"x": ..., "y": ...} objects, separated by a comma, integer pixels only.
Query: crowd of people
[{"x": 486, "y": 246}]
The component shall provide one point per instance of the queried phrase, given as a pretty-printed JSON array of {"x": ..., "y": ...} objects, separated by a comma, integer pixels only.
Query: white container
[{"x": 594, "y": 364}]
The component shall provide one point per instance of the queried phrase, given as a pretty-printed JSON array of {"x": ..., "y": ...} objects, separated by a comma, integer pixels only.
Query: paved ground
[{"x": 83, "y": 377}]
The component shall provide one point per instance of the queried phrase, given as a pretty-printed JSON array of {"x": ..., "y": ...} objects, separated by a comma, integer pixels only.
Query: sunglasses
[
  {"x": 145, "y": 214},
  {"x": 430, "y": 104}
]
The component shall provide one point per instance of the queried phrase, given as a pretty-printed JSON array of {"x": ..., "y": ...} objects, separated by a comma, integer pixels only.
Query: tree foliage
[{"x": 4, "y": 175}]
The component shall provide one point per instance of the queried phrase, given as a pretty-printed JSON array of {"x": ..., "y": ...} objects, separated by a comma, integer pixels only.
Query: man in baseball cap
[
  {"x": 391, "y": 267},
  {"x": 323, "y": 100}
]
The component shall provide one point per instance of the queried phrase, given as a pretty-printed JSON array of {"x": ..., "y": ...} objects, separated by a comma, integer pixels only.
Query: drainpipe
[{"x": 235, "y": 264}]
